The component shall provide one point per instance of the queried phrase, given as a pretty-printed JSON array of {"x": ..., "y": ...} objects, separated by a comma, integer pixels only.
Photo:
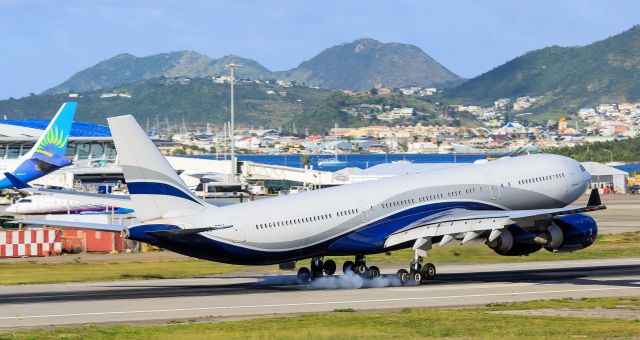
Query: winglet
[
  {"x": 594, "y": 199},
  {"x": 17, "y": 182}
]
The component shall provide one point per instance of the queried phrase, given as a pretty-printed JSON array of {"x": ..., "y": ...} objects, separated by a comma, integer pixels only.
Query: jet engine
[
  {"x": 514, "y": 241},
  {"x": 569, "y": 233}
]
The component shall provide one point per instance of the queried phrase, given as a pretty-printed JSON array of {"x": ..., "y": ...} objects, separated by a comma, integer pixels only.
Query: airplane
[
  {"x": 47, "y": 155},
  {"x": 516, "y": 205},
  {"x": 45, "y": 204}
]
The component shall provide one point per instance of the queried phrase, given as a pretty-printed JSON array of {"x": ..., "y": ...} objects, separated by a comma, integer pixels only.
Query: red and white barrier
[{"x": 31, "y": 242}]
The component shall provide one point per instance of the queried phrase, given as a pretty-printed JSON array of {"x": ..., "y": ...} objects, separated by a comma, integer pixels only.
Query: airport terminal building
[{"x": 86, "y": 141}]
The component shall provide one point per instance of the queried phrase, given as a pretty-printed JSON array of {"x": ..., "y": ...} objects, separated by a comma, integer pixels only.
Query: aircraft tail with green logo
[
  {"x": 52, "y": 145},
  {"x": 47, "y": 155}
]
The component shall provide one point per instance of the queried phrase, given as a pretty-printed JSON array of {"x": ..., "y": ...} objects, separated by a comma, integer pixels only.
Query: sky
[{"x": 45, "y": 42}]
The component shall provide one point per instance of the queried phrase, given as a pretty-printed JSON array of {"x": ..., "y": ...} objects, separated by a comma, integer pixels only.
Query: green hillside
[
  {"x": 126, "y": 68},
  {"x": 567, "y": 78},
  {"x": 200, "y": 100}
]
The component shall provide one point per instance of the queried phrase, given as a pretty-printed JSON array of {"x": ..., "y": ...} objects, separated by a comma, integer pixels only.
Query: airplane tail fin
[
  {"x": 52, "y": 144},
  {"x": 155, "y": 189}
]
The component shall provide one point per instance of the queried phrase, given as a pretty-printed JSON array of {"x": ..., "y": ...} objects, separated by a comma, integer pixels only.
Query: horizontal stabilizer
[{"x": 17, "y": 182}]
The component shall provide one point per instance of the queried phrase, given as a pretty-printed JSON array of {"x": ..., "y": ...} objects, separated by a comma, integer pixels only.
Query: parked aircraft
[
  {"x": 516, "y": 205},
  {"x": 45, "y": 204},
  {"x": 47, "y": 155}
]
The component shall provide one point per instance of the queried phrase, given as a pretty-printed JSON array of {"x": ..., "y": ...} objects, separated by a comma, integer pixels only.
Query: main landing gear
[
  {"x": 319, "y": 268},
  {"x": 418, "y": 272},
  {"x": 359, "y": 267}
]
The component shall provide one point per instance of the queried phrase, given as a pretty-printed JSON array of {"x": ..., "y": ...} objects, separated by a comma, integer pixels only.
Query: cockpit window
[
  {"x": 582, "y": 168},
  {"x": 25, "y": 200}
]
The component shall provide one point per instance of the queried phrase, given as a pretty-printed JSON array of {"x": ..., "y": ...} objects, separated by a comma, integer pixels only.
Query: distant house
[{"x": 342, "y": 145}]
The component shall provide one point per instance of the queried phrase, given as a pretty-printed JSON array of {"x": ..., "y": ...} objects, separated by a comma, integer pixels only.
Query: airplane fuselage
[{"x": 357, "y": 218}]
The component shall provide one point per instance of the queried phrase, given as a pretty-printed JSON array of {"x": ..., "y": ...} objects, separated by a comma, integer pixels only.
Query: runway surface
[{"x": 240, "y": 297}]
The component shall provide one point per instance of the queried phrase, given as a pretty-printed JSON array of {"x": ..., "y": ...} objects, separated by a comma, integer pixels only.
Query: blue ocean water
[
  {"x": 364, "y": 161},
  {"x": 361, "y": 161}
]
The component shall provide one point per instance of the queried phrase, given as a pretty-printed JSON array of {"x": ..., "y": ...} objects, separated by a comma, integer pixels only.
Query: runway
[{"x": 214, "y": 298}]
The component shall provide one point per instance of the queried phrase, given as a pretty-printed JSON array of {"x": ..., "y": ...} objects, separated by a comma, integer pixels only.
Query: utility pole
[
  {"x": 232, "y": 125},
  {"x": 610, "y": 153}
]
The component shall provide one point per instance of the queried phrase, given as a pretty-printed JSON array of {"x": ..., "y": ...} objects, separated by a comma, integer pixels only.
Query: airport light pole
[{"x": 232, "y": 127}]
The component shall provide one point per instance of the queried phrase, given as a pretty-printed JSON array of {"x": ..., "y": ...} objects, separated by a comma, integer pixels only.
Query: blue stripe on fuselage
[
  {"x": 155, "y": 188},
  {"x": 368, "y": 239}
]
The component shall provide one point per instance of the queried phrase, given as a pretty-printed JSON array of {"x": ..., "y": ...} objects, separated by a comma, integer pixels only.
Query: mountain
[
  {"x": 359, "y": 65},
  {"x": 567, "y": 78},
  {"x": 126, "y": 68},
  {"x": 364, "y": 63}
]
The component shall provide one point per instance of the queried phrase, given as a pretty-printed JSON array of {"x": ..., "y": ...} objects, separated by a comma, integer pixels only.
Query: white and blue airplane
[
  {"x": 516, "y": 205},
  {"x": 47, "y": 155}
]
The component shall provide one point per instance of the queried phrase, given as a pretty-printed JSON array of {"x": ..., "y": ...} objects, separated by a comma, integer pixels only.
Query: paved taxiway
[{"x": 232, "y": 297}]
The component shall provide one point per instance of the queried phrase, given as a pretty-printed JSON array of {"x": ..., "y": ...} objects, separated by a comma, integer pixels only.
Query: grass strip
[
  {"x": 411, "y": 323},
  {"x": 35, "y": 272}
]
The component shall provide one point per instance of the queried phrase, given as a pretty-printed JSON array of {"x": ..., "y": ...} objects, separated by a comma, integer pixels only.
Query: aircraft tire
[
  {"x": 374, "y": 272},
  {"x": 417, "y": 277},
  {"x": 360, "y": 269},
  {"x": 348, "y": 266},
  {"x": 329, "y": 267},
  {"x": 428, "y": 271},
  {"x": 403, "y": 276},
  {"x": 304, "y": 274}
]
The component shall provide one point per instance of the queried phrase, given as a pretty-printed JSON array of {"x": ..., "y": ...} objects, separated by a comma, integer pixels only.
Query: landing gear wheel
[
  {"x": 417, "y": 277},
  {"x": 360, "y": 269},
  {"x": 348, "y": 266},
  {"x": 428, "y": 271},
  {"x": 403, "y": 276},
  {"x": 329, "y": 267},
  {"x": 304, "y": 274},
  {"x": 374, "y": 272}
]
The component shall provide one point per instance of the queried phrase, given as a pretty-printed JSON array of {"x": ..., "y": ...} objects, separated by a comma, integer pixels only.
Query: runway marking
[{"x": 20, "y": 317}]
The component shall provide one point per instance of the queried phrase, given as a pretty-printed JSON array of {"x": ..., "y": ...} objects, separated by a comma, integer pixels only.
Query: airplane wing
[
  {"x": 121, "y": 201},
  {"x": 475, "y": 222}
]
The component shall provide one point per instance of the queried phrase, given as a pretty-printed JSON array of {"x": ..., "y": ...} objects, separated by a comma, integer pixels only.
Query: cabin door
[
  {"x": 364, "y": 211},
  {"x": 238, "y": 230},
  {"x": 494, "y": 188}
]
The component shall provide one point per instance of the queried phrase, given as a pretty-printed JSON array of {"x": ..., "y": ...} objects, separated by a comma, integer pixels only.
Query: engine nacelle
[
  {"x": 514, "y": 241},
  {"x": 578, "y": 232}
]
